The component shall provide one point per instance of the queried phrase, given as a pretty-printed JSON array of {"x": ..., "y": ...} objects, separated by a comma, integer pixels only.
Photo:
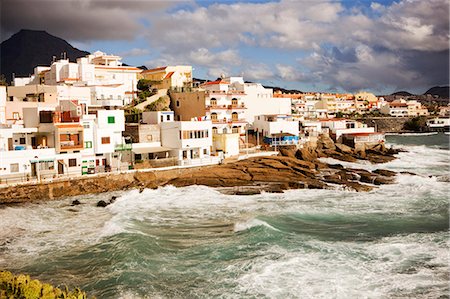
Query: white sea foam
[
  {"x": 245, "y": 225},
  {"x": 349, "y": 270}
]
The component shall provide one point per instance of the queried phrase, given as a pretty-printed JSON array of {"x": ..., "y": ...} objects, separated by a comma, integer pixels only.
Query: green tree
[{"x": 417, "y": 124}]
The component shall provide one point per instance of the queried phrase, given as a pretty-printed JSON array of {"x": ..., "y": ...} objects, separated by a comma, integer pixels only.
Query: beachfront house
[{"x": 190, "y": 141}]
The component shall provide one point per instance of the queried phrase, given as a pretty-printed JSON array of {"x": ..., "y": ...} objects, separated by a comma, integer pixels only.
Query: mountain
[
  {"x": 26, "y": 49},
  {"x": 442, "y": 92},
  {"x": 402, "y": 93}
]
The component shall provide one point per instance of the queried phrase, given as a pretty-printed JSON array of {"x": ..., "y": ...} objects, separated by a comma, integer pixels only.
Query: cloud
[
  {"x": 78, "y": 20},
  {"x": 400, "y": 44},
  {"x": 290, "y": 73},
  {"x": 135, "y": 52}
]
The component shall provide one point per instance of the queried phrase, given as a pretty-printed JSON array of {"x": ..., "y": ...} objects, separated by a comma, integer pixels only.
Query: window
[
  {"x": 178, "y": 103},
  {"x": 213, "y": 102},
  {"x": 88, "y": 144},
  {"x": 234, "y": 102},
  {"x": 14, "y": 167},
  {"x": 105, "y": 140},
  {"x": 22, "y": 140},
  {"x": 214, "y": 130},
  {"x": 47, "y": 165},
  {"x": 111, "y": 120},
  {"x": 72, "y": 162},
  {"x": 16, "y": 115},
  {"x": 11, "y": 98},
  {"x": 234, "y": 116},
  {"x": 168, "y": 117},
  {"x": 213, "y": 116},
  {"x": 162, "y": 118}
]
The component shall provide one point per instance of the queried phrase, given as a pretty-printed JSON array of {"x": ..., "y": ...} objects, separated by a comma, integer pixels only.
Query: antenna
[{"x": 65, "y": 55}]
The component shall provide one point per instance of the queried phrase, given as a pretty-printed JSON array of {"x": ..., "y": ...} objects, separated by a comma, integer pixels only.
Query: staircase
[{"x": 149, "y": 100}]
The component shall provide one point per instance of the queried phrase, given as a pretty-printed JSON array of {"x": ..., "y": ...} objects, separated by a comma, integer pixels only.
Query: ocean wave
[{"x": 246, "y": 225}]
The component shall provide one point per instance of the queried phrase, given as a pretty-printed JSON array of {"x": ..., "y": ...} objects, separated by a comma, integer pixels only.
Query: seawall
[
  {"x": 89, "y": 185},
  {"x": 386, "y": 124}
]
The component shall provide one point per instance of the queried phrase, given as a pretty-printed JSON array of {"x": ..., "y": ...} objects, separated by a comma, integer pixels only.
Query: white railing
[{"x": 200, "y": 161}]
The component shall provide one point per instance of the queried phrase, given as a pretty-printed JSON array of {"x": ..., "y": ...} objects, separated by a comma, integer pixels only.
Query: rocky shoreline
[
  {"x": 292, "y": 169},
  {"x": 296, "y": 169}
]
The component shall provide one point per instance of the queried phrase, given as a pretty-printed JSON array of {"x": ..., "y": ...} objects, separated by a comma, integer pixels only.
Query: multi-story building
[
  {"x": 104, "y": 74},
  {"x": 403, "y": 108},
  {"x": 277, "y": 129},
  {"x": 225, "y": 107},
  {"x": 339, "y": 126},
  {"x": 169, "y": 77},
  {"x": 187, "y": 139}
]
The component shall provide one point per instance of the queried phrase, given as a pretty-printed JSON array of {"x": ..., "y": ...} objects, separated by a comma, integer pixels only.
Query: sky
[{"x": 331, "y": 46}]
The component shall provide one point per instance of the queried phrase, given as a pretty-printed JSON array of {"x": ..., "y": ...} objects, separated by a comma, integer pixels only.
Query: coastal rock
[
  {"x": 385, "y": 172},
  {"x": 325, "y": 142},
  {"x": 76, "y": 202},
  {"x": 408, "y": 173},
  {"x": 306, "y": 154},
  {"x": 382, "y": 180},
  {"x": 102, "y": 204},
  {"x": 342, "y": 148},
  {"x": 379, "y": 159},
  {"x": 359, "y": 187},
  {"x": 288, "y": 151}
]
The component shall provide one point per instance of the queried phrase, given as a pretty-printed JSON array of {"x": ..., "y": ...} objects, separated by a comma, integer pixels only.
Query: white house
[
  {"x": 276, "y": 123},
  {"x": 338, "y": 127},
  {"x": 188, "y": 139}
]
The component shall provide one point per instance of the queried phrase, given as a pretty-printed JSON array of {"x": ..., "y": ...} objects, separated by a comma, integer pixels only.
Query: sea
[{"x": 195, "y": 242}]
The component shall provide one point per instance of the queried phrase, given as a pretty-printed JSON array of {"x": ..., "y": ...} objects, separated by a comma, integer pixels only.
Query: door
[
  {"x": 33, "y": 169},
  {"x": 60, "y": 167}
]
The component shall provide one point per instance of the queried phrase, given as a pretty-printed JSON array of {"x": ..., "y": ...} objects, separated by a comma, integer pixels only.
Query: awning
[
  {"x": 42, "y": 160},
  {"x": 153, "y": 149}
]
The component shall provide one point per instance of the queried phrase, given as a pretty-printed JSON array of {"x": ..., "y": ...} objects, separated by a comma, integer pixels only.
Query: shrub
[{"x": 23, "y": 287}]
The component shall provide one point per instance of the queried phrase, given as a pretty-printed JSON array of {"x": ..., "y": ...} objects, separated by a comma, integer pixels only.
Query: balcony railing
[
  {"x": 234, "y": 107},
  {"x": 70, "y": 145},
  {"x": 123, "y": 147}
]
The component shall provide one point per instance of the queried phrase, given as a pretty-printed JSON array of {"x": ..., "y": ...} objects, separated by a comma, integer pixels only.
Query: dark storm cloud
[{"x": 78, "y": 20}]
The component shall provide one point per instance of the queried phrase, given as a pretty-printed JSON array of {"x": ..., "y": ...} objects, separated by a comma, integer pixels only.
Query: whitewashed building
[{"x": 187, "y": 139}]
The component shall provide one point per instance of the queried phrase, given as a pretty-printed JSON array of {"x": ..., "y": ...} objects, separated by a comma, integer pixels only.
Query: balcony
[
  {"x": 70, "y": 145},
  {"x": 216, "y": 107},
  {"x": 237, "y": 121},
  {"x": 237, "y": 107}
]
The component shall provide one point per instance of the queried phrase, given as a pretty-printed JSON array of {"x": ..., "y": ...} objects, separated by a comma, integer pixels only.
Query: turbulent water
[{"x": 194, "y": 242}]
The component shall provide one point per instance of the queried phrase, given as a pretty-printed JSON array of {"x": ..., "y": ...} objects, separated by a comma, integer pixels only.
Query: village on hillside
[{"x": 96, "y": 115}]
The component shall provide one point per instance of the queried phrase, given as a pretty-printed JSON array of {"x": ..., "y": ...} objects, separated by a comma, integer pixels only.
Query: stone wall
[
  {"x": 386, "y": 124},
  {"x": 88, "y": 185}
]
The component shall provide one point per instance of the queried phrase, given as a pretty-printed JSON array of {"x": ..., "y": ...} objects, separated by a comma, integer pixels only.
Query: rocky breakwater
[{"x": 295, "y": 169}]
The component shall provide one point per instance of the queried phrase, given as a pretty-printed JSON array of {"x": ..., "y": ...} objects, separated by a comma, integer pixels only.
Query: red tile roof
[
  {"x": 169, "y": 75},
  {"x": 155, "y": 69},
  {"x": 216, "y": 82}
]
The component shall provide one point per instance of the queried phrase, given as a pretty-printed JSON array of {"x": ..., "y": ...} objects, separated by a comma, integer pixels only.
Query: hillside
[
  {"x": 402, "y": 93},
  {"x": 29, "y": 48},
  {"x": 441, "y": 91}
]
